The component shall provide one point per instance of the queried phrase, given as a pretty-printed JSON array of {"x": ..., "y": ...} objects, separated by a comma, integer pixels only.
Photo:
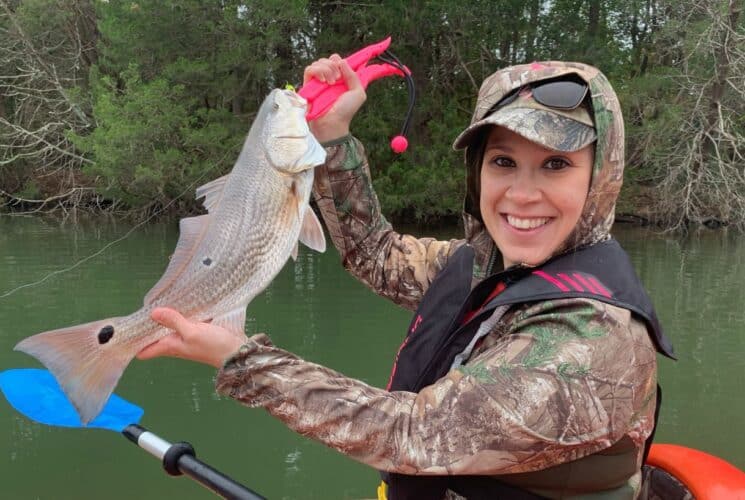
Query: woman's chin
[{"x": 525, "y": 258}]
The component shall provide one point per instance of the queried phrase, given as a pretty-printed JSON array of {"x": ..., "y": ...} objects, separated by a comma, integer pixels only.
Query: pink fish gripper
[{"x": 321, "y": 96}]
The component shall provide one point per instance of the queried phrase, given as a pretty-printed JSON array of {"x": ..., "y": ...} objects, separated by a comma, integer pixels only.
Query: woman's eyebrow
[{"x": 498, "y": 145}]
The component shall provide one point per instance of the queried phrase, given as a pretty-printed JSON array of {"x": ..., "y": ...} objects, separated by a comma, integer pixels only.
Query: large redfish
[{"x": 223, "y": 259}]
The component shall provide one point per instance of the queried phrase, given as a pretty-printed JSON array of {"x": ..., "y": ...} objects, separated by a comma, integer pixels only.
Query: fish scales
[{"x": 256, "y": 216}]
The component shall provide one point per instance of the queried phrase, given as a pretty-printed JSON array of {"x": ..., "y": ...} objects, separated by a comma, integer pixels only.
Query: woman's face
[{"x": 531, "y": 197}]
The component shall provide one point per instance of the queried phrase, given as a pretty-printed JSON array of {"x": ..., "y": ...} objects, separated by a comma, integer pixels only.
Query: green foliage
[
  {"x": 450, "y": 48},
  {"x": 174, "y": 92},
  {"x": 225, "y": 54},
  {"x": 171, "y": 86},
  {"x": 30, "y": 191},
  {"x": 47, "y": 24},
  {"x": 152, "y": 142},
  {"x": 684, "y": 121}
]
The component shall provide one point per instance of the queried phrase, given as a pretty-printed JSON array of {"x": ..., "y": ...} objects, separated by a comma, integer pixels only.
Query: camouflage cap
[{"x": 560, "y": 130}]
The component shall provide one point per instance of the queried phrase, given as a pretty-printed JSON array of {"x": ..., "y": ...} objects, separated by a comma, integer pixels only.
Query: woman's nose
[{"x": 524, "y": 187}]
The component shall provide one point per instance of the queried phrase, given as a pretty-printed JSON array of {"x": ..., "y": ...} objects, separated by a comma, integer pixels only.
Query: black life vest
[{"x": 436, "y": 334}]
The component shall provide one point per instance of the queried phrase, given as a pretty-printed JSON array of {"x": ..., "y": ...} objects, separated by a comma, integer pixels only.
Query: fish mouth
[
  {"x": 295, "y": 98},
  {"x": 291, "y": 136}
]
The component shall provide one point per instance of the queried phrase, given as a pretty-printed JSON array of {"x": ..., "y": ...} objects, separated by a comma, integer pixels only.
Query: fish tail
[{"x": 84, "y": 360}]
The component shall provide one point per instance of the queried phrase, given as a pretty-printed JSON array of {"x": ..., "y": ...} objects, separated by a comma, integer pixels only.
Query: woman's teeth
[{"x": 526, "y": 223}]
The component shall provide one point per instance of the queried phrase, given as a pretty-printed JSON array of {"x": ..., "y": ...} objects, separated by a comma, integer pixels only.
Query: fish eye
[{"x": 275, "y": 105}]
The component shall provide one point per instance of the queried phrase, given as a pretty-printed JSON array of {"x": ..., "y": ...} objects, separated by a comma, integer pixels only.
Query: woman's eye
[
  {"x": 503, "y": 161},
  {"x": 556, "y": 164}
]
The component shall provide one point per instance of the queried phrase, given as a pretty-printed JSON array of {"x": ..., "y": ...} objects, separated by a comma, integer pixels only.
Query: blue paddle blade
[{"x": 36, "y": 394}]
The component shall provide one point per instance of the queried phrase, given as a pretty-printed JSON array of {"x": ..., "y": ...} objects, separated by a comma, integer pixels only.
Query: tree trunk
[
  {"x": 722, "y": 72},
  {"x": 593, "y": 20},
  {"x": 530, "y": 37}
]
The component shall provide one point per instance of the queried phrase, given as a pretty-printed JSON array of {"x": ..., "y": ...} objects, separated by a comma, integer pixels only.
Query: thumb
[
  {"x": 350, "y": 77},
  {"x": 170, "y": 318}
]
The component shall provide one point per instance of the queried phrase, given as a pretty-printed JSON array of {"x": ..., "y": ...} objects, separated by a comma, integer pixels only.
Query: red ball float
[{"x": 399, "y": 144}]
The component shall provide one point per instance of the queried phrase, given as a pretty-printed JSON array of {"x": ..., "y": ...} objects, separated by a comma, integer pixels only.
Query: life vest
[{"x": 438, "y": 334}]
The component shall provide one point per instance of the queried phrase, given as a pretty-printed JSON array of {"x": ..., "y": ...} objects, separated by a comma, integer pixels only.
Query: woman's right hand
[
  {"x": 195, "y": 340},
  {"x": 335, "y": 123}
]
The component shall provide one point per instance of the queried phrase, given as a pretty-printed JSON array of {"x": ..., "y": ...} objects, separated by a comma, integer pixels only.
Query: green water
[{"x": 316, "y": 310}]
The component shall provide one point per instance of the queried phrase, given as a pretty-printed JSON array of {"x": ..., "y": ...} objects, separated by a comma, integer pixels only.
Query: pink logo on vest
[{"x": 577, "y": 282}]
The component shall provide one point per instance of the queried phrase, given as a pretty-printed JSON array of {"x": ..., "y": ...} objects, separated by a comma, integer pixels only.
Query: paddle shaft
[{"x": 179, "y": 458}]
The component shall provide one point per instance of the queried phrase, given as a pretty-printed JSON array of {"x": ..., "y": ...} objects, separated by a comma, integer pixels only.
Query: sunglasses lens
[
  {"x": 509, "y": 98},
  {"x": 563, "y": 94}
]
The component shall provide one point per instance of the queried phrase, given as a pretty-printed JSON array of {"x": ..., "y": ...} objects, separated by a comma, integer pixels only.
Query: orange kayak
[{"x": 707, "y": 477}]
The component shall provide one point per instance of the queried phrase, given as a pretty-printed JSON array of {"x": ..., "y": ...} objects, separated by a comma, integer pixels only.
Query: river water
[{"x": 316, "y": 310}]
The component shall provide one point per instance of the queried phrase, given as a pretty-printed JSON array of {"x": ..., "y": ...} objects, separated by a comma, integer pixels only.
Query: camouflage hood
[{"x": 607, "y": 173}]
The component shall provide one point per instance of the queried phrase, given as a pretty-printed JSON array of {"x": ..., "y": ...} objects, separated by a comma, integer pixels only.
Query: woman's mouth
[{"x": 526, "y": 223}]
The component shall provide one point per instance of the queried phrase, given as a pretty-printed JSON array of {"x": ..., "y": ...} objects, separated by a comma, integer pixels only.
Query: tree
[
  {"x": 142, "y": 100},
  {"x": 688, "y": 137},
  {"x": 45, "y": 54},
  {"x": 174, "y": 92}
]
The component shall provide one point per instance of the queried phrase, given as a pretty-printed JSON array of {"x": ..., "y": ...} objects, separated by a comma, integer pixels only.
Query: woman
[{"x": 529, "y": 369}]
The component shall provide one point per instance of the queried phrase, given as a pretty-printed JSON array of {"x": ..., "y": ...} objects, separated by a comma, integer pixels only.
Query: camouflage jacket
[
  {"x": 552, "y": 383},
  {"x": 558, "y": 398}
]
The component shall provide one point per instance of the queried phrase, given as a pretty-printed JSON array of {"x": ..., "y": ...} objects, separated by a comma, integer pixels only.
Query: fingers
[
  {"x": 350, "y": 77},
  {"x": 326, "y": 70},
  {"x": 193, "y": 340},
  {"x": 167, "y": 346}
]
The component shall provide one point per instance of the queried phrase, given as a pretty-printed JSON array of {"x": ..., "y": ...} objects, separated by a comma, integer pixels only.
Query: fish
[{"x": 256, "y": 215}]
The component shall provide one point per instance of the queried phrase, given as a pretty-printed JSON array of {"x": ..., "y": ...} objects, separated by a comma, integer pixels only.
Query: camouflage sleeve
[
  {"x": 563, "y": 380},
  {"x": 397, "y": 266}
]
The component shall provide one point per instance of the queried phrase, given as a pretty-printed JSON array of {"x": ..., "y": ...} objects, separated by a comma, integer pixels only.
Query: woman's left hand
[{"x": 193, "y": 340}]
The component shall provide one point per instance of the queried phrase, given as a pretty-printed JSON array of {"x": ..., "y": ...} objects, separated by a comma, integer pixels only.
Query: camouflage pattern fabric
[
  {"x": 558, "y": 398},
  {"x": 538, "y": 123},
  {"x": 558, "y": 381},
  {"x": 371, "y": 250}
]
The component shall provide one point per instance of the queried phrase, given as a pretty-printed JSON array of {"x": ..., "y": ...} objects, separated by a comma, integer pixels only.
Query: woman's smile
[
  {"x": 526, "y": 224},
  {"x": 531, "y": 197}
]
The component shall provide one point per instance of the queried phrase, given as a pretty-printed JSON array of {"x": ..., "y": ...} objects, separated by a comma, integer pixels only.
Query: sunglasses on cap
[{"x": 559, "y": 94}]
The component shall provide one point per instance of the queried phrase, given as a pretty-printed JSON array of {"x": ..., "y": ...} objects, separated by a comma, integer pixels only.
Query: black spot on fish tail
[
  {"x": 207, "y": 261},
  {"x": 105, "y": 334}
]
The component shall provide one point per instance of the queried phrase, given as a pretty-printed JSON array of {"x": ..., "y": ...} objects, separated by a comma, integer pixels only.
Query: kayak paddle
[{"x": 36, "y": 394}]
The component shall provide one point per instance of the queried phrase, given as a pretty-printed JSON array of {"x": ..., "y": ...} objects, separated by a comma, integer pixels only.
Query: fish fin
[
  {"x": 234, "y": 320},
  {"x": 212, "y": 192},
  {"x": 296, "y": 199},
  {"x": 191, "y": 230},
  {"x": 87, "y": 370},
  {"x": 294, "y": 252},
  {"x": 311, "y": 232}
]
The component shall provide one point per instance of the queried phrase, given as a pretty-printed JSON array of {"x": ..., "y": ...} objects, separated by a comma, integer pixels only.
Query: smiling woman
[
  {"x": 529, "y": 367},
  {"x": 531, "y": 196}
]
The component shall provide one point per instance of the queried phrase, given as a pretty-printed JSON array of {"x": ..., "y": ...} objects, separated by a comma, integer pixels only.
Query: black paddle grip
[
  {"x": 180, "y": 458},
  {"x": 212, "y": 479},
  {"x": 174, "y": 454}
]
